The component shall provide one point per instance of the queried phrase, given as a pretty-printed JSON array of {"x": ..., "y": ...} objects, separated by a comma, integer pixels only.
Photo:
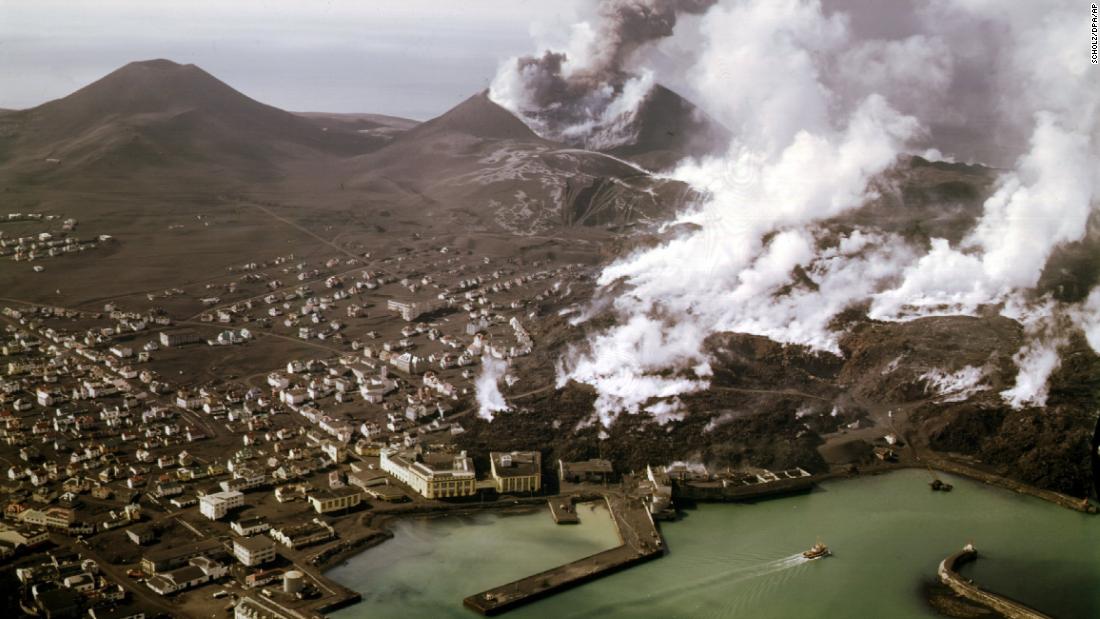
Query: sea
[{"x": 888, "y": 534}]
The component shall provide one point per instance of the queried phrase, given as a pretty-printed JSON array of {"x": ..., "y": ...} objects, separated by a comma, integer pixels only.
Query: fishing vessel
[{"x": 817, "y": 551}]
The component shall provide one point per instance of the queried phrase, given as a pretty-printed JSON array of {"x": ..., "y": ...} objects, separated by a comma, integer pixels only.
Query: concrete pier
[
  {"x": 640, "y": 542},
  {"x": 563, "y": 510},
  {"x": 951, "y": 577}
]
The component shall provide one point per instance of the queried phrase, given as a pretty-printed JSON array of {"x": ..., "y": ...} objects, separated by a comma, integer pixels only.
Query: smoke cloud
[
  {"x": 588, "y": 95},
  {"x": 819, "y": 107}
]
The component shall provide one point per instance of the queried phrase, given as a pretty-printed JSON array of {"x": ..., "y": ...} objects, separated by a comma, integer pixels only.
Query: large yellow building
[
  {"x": 325, "y": 501},
  {"x": 516, "y": 471},
  {"x": 436, "y": 475}
]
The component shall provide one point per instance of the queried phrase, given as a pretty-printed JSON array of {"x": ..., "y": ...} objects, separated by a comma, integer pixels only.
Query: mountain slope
[
  {"x": 668, "y": 128},
  {"x": 479, "y": 117},
  {"x": 484, "y": 167},
  {"x": 161, "y": 114}
]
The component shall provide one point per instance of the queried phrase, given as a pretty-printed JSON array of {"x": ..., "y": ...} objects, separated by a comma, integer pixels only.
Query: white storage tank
[{"x": 293, "y": 581}]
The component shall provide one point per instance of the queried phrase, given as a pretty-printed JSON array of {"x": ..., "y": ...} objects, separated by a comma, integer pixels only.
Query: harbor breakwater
[{"x": 949, "y": 575}]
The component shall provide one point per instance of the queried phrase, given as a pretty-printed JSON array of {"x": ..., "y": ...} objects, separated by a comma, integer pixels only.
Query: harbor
[
  {"x": 640, "y": 542},
  {"x": 888, "y": 532}
]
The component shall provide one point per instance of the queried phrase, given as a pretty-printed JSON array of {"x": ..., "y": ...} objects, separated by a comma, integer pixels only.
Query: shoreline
[
  {"x": 380, "y": 521},
  {"x": 1057, "y": 498},
  {"x": 1084, "y": 506}
]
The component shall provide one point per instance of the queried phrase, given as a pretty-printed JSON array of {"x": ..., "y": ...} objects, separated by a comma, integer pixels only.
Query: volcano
[
  {"x": 481, "y": 166},
  {"x": 160, "y": 114},
  {"x": 477, "y": 116},
  {"x": 668, "y": 127}
]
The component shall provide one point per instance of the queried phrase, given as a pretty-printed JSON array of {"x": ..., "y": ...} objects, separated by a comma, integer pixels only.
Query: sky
[{"x": 411, "y": 58}]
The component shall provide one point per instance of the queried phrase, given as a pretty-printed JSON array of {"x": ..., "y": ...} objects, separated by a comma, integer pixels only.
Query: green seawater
[{"x": 888, "y": 534}]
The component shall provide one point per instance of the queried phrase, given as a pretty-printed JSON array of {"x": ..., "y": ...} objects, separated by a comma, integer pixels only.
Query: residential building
[
  {"x": 252, "y": 551},
  {"x": 409, "y": 363},
  {"x": 126, "y": 611},
  {"x": 177, "y": 580},
  {"x": 161, "y": 559},
  {"x": 216, "y": 505},
  {"x": 199, "y": 570},
  {"x": 140, "y": 534},
  {"x": 244, "y": 480},
  {"x": 303, "y": 534},
  {"x": 179, "y": 337},
  {"x": 23, "y": 536},
  {"x": 411, "y": 310},
  {"x": 250, "y": 526}
]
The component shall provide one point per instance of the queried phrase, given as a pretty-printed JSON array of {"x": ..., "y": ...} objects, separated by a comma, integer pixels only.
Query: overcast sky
[{"x": 413, "y": 58}]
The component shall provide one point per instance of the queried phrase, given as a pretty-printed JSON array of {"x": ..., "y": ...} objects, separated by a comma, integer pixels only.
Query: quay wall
[
  {"x": 1076, "y": 504},
  {"x": 612, "y": 564},
  {"x": 640, "y": 542},
  {"x": 699, "y": 492},
  {"x": 343, "y": 601}
]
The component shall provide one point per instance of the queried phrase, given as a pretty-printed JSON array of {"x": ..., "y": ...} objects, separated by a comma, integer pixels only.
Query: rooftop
[
  {"x": 516, "y": 463},
  {"x": 255, "y": 544},
  {"x": 324, "y": 494}
]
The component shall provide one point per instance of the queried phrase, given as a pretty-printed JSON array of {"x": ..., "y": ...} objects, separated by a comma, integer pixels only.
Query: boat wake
[{"x": 779, "y": 568}]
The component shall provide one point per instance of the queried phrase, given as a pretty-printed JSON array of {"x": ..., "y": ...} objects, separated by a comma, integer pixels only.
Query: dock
[
  {"x": 640, "y": 542},
  {"x": 722, "y": 491},
  {"x": 563, "y": 510}
]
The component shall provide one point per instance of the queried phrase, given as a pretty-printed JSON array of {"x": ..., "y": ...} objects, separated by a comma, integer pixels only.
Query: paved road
[{"x": 786, "y": 392}]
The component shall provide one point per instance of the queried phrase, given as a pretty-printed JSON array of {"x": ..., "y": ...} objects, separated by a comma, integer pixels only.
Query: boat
[
  {"x": 940, "y": 486},
  {"x": 817, "y": 551}
]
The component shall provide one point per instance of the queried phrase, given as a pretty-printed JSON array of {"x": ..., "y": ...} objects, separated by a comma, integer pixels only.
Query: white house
[{"x": 216, "y": 505}]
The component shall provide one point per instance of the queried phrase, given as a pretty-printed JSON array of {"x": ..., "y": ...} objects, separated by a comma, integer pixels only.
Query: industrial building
[
  {"x": 434, "y": 475},
  {"x": 516, "y": 471},
  {"x": 336, "y": 499}
]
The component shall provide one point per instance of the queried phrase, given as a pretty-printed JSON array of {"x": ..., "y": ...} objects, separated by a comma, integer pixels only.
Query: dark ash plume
[{"x": 592, "y": 99}]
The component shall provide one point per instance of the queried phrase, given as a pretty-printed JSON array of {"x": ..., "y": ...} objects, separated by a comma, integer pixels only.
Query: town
[{"x": 143, "y": 476}]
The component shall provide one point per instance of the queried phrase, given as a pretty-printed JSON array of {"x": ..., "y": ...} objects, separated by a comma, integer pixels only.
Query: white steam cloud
[
  {"x": 955, "y": 386},
  {"x": 1037, "y": 360},
  {"x": 489, "y": 398},
  {"x": 1088, "y": 317},
  {"x": 817, "y": 111}
]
